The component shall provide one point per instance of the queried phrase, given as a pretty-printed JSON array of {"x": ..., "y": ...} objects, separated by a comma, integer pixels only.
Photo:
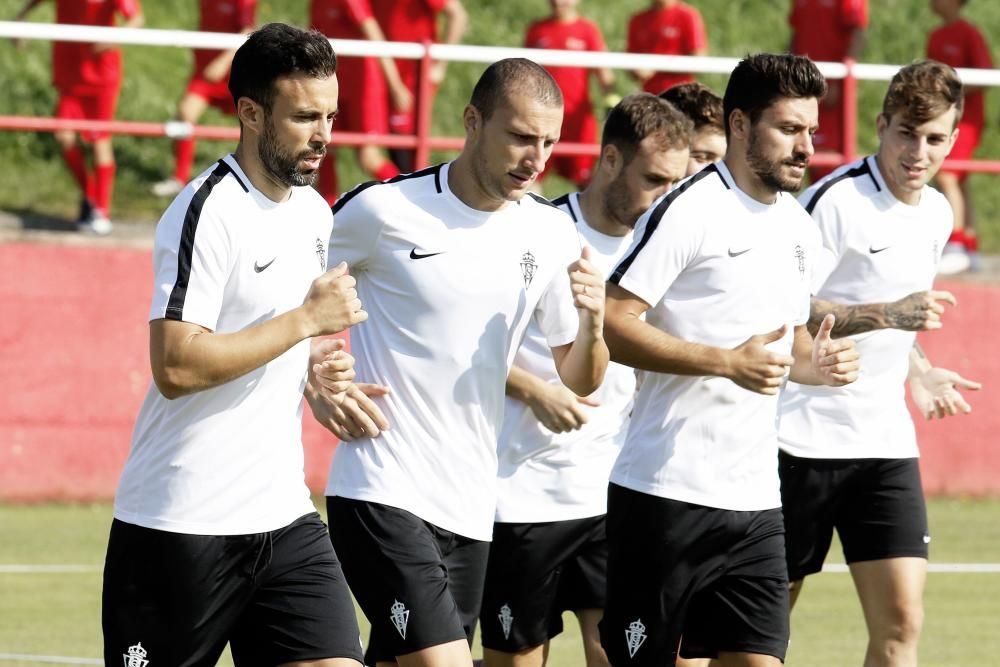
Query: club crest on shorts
[
  {"x": 506, "y": 620},
  {"x": 136, "y": 656},
  {"x": 528, "y": 266},
  {"x": 635, "y": 636},
  {"x": 400, "y": 616},
  {"x": 321, "y": 253}
]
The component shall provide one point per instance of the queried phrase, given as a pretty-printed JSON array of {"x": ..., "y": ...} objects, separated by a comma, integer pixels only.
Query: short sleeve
[
  {"x": 828, "y": 236},
  {"x": 192, "y": 263},
  {"x": 248, "y": 13},
  {"x": 435, "y": 6},
  {"x": 697, "y": 38},
  {"x": 531, "y": 37},
  {"x": 634, "y": 43},
  {"x": 979, "y": 51},
  {"x": 555, "y": 313},
  {"x": 128, "y": 8},
  {"x": 596, "y": 39},
  {"x": 854, "y": 13},
  {"x": 357, "y": 226},
  {"x": 662, "y": 247},
  {"x": 359, "y": 10}
]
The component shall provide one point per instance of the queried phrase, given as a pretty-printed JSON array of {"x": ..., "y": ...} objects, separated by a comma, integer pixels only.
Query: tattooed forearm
[
  {"x": 909, "y": 313},
  {"x": 849, "y": 320},
  {"x": 915, "y": 312}
]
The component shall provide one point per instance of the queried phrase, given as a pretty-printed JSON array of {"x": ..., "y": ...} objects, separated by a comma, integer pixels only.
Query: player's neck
[
  {"x": 595, "y": 213},
  {"x": 665, "y": 4},
  {"x": 749, "y": 182},
  {"x": 948, "y": 17},
  {"x": 566, "y": 16},
  {"x": 466, "y": 187},
  {"x": 261, "y": 178}
]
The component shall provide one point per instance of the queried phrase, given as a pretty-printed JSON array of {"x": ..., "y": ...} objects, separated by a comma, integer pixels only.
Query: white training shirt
[
  {"x": 449, "y": 291},
  {"x": 546, "y": 476},
  {"x": 875, "y": 249},
  {"x": 228, "y": 460},
  {"x": 716, "y": 267}
]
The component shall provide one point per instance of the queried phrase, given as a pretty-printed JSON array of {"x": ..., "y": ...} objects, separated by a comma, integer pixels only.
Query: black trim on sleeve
[
  {"x": 175, "y": 305},
  {"x": 348, "y": 196},
  {"x": 657, "y": 215},
  {"x": 566, "y": 200},
  {"x": 860, "y": 170}
]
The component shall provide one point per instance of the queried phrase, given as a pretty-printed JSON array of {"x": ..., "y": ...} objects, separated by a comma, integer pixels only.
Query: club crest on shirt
[
  {"x": 528, "y": 267},
  {"x": 800, "y": 257},
  {"x": 136, "y": 656},
  {"x": 635, "y": 636},
  {"x": 506, "y": 620},
  {"x": 400, "y": 616},
  {"x": 321, "y": 253}
]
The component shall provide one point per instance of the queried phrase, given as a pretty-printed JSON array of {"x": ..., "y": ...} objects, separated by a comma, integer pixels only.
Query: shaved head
[{"x": 514, "y": 76}]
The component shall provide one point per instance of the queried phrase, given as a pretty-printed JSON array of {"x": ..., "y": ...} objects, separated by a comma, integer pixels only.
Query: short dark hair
[
  {"x": 697, "y": 101},
  {"x": 762, "y": 79},
  {"x": 922, "y": 91},
  {"x": 274, "y": 51},
  {"x": 643, "y": 115},
  {"x": 504, "y": 77}
]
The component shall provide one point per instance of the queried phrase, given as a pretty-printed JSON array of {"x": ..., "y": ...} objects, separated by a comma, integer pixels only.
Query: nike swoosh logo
[
  {"x": 875, "y": 250},
  {"x": 415, "y": 255},
  {"x": 737, "y": 254},
  {"x": 258, "y": 268}
]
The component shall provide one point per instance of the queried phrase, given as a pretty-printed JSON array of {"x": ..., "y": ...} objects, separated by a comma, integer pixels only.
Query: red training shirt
[
  {"x": 578, "y": 35},
  {"x": 960, "y": 44},
  {"x": 408, "y": 21},
  {"x": 674, "y": 31},
  {"x": 340, "y": 19},
  {"x": 76, "y": 64},
  {"x": 821, "y": 29},
  {"x": 222, "y": 16}
]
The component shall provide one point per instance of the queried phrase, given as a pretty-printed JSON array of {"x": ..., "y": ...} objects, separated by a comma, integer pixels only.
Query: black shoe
[{"x": 86, "y": 211}]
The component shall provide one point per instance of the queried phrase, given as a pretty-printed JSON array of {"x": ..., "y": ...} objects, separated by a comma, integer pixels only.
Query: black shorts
[
  {"x": 176, "y": 599},
  {"x": 876, "y": 505},
  {"x": 714, "y": 577},
  {"x": 537, "y": 571},
  {"x": 419, "y": 585}
]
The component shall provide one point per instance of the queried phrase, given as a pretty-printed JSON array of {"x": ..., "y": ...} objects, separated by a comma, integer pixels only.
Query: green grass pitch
[{"x": 59, "y": 614}]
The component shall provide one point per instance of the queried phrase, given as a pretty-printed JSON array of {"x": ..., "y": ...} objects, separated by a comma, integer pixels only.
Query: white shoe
[
  {"x": 954, "y": 260},
  {"x": 98, "y": 224},
  {"x": 167, "y": 188}
]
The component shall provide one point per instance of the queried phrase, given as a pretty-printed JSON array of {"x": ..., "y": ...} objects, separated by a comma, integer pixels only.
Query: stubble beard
[
  {"x": 769, "y": 171},
  {"x": 283, "y": 165}
]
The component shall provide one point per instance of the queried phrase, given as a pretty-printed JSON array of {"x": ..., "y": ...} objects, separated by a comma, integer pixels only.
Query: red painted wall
[{"x": 74, "y": 369}]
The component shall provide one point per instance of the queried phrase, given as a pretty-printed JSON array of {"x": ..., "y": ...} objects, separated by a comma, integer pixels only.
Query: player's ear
[
  {"x": 881, "y": 123},
  {"x": 611, "y": 160},
  {"x": 739, "y": 124},
  {"x": 250, "y": 113},
  {"x": 472, "y": 119}
]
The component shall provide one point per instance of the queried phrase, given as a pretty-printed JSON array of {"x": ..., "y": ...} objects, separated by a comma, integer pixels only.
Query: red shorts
[
  {"x": 215, "y": 93},
  {"x": 579, "y": 126},
  {"x": 363, "y": 104},
  {"x": 965, "y": 145},
  {"x": 88, "y": 104}
]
